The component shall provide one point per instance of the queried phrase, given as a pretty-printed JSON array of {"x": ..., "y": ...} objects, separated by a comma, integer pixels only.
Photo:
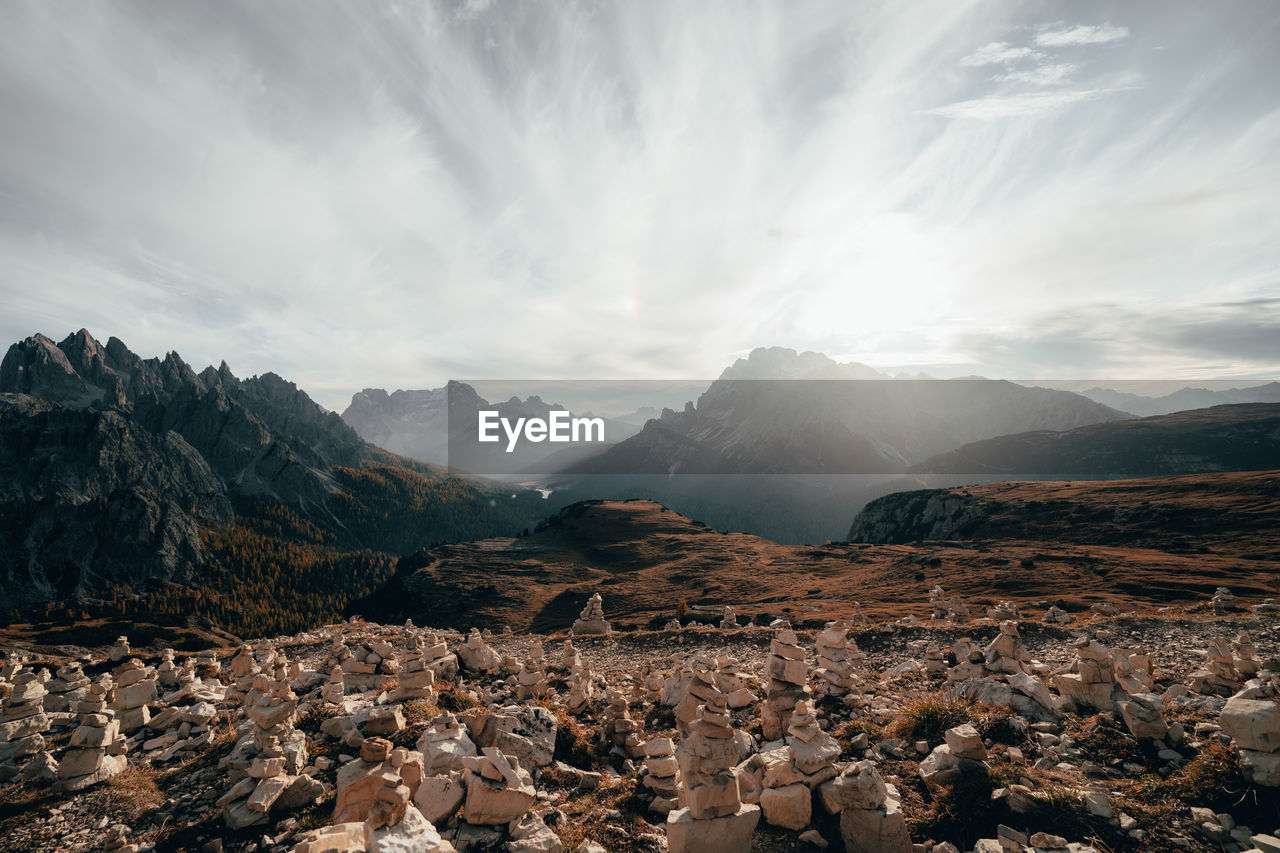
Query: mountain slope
[
  {"x": 141, "y": 481},
  {"x": 1143, "y": 543},
  {"x": 1243, "y": 437}
]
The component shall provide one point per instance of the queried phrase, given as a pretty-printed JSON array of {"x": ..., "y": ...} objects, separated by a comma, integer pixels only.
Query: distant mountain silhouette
[
  {"x": 1241, "y": 437},
  {"x": 778, "y": 413},
  {"x": 1183, "y": 399},
  {"x": 439, "y": 426}
]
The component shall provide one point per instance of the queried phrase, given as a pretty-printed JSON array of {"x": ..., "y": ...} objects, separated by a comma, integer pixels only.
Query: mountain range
[
  {"x": 140, "y": 480},
  {"x": 1183, "y": 399},
  {"x": 1239, "y": 437},
  {"x": 438, "y": 426}
]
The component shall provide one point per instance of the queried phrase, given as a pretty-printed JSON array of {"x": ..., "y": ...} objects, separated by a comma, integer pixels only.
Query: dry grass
[
  {"x": 129, "y": 795},
  {"x": 928, "y": 718},
  {"x": 612, "y": 815}
]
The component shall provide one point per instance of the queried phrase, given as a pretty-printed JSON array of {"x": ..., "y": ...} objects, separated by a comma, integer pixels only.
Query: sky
[{"x": 393, "y": 194}]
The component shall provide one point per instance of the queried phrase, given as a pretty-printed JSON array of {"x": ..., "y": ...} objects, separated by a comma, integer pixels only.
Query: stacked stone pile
[
  {"x": 714, "y": 818},
  {"x": 945, "y": 609},
  {"x": 788, "y": 683},
  {"x": 661, "y": 774},
  {"x": 591, "y": 620},
  {"x": 838, "y": 658},
  {"x": 417, "y": 679},
  {"x": 871, "y": 817},
  {"x": 477, "y": 655},
  {"x": 22, "y": 717},
  {"x": 97, "y": 748},
  {"x": 267, "y": 763}
]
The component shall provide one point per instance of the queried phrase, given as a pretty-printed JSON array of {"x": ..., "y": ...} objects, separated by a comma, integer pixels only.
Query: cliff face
[
  {"x": 262, "y": 437},
  {"x": 90, "y": 500},
  {"x": 914, "y": 516}
]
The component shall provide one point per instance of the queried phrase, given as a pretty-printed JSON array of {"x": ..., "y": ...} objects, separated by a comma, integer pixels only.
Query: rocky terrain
[{"x": 971, "y": 729}]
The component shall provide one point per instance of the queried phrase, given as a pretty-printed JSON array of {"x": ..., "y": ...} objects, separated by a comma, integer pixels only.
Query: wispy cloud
[
  {"x": 1011, "y": 106},
  {"x": 393, "y": 194},
  {"x": 1047, "y": 74},
  {"x": 998, "y": 53},
  {"x": 1081, "y": 34}
]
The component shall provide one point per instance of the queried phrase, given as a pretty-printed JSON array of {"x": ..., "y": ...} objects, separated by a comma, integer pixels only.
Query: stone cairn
[
  {"x": 714, "y": 819},
  {"x": 267, "y": 763},
  {"x": 791, "y": 774},
  {"x": 1218, "y": 675},
  {"x": 1244, "y": 656},
  {"x": 136, "y": 688},
  {"x": 1268, "y": 607},
  {"x": 857, "y": 617},
  {"x": 696, "y": 686},
  {"x": 375, "y": 793},
  {"x": 1252, "y": 718},
  {"x": 728, "y": 619},
  {"x": 531, "y": 682},
  {"x": 581, "y": 683},
  {"x": 380, "y": 784},
  {"x": 1113, "y": 680},
  {"x": 243, "y": 668},
  {"x": 334, "y": 690},
  {"x": 838, "y": 657},
  {"x": 623, "y": 735},
  {"x": 1057, "y": 616},
  {"x": 444, "y": 744},
  {"x": 871, "y": 818},
  {"x": 569, "y": 657},
  {"x": 788, "y": 683},
  {"x": 22, "y": 716},
  {"x": 591, "y": 620},
  {"x": 1223, "y": 602},
  {"x": 120, "y": 651},
  {"x": 168, "y": 673},
  {"x": 661, "y": 774},
  {"x": 417, "y": 679},
  {"x": 97, "y": 749},
  {"x": 935, "y": 663},
  {"x": 68, "y": 686},
  {"x": 999, "y": 675},
  {"x": 437, "y": 657},
  {"x": 731, "y": 681},
  {"x": 653, "y": 681},
  {"x": 477, "y": 655},
  {"x": 947, "y": 609},
  {"x": 1003, "y": 611}
]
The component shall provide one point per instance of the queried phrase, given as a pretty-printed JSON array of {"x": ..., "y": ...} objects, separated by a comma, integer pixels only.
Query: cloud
[
  {"x": 1048, "y": 74},
  {"x": 394, "y": 195},
  {"x": 998, "y": 53},
  {"x": 997, "y": 107},
  {"x": 1081, "y": 34}
]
